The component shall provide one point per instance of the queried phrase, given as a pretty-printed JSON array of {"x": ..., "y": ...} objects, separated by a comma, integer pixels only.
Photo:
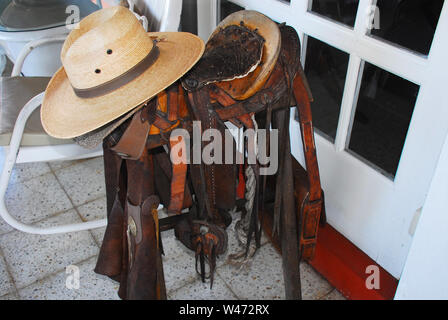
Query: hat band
[{"x": 121, "y": 80}]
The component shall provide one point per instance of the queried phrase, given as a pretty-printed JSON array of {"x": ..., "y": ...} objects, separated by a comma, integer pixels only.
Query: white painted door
[
  {"x": 424, "y": 276},
  {"x": 380, "y": 112}
]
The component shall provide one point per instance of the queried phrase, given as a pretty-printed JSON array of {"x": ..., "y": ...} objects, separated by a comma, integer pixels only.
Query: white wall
[{"x": 425, "y": 274}]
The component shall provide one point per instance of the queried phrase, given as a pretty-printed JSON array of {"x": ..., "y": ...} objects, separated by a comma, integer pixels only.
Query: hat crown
[{"x": 107, "y": 44}]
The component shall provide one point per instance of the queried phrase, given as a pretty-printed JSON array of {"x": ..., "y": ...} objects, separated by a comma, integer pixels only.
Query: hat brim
[{"x": 64, "y": 115}]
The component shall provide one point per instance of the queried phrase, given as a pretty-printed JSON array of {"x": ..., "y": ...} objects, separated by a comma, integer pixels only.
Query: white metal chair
[{"x": 28, "y": 142}]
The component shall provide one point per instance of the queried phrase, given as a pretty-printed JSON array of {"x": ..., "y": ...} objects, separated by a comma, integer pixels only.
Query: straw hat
[{"x": 110, "y": 66}]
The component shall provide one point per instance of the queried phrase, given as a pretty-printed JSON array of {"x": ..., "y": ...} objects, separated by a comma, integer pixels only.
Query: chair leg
[{"x": 10, "y": 161}]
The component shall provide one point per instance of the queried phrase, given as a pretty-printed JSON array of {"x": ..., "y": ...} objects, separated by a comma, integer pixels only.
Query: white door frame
[
  {"x": 371, "y": 210},
  {"x": 207, "y": 17},
  {"x": 424, "y": 275}
]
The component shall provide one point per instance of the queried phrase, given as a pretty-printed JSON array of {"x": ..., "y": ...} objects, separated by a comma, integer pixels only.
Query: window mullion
[
  {"x": 363, "y": 17},
  {"x": 348, "y": 103},
  {"x": 352, "y": 83}
]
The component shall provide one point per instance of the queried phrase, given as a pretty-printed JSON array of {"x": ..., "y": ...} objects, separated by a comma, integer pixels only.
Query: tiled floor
[{"x": 34, "y": 266}]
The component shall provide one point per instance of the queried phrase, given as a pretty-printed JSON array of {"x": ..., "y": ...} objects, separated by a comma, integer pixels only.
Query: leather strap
[
  {"x": 179, "y": 177},
  {"x": 306, "y": 124},
  {"x": 121, "y": 80},
  {"x": 173, "y": 103},
  {"x": 164, "y": 124},
  {"x": 235, "y": 109},
  {"x": 232, "y": 109},
  {"x": 133, "y": 141}
]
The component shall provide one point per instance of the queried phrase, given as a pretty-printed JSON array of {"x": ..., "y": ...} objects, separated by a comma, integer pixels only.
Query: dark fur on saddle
[{"x": 232, "y": 53}]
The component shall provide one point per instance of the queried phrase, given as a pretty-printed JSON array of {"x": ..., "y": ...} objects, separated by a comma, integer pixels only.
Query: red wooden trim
[{"x": 344, "y": 266}]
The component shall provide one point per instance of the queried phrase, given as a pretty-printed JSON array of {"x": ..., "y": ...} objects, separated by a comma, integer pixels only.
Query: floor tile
[
  {"x": 33, "y": 257},
  {"x": 178, "y": 262},
  {"x": 24, "y": 171},
  {"x": 91, "y": 286},
  {"x": 10, "y": 296},
  {"x": 27, "y": 171},
  {"x": 33, "y": 200},
  {"x": 6, "y": 285},
  {"x": 334, "y": 295},
  {"x": 57, "y": 165},
  {"x": 263, "y": 279},
  {"x": 83, "y": 181},
  {"x": 95, "y": 210},
  {"x": 314, "y": 286},
  {"x": 201, "y": 291}
]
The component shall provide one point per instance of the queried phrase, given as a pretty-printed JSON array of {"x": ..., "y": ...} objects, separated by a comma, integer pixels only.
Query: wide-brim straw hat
[{"x": 111, "y": 66}]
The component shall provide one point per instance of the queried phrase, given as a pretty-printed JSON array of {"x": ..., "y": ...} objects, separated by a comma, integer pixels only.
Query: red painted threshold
[{"x": 344, "y": 266}]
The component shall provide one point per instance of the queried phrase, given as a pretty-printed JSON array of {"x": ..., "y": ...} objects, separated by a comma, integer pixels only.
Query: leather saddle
[
  {"x": 250, "y": 74},
  {"x": 239, "y": 56}
]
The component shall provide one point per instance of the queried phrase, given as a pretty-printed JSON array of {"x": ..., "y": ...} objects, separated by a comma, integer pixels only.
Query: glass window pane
[
  {"x": 408, "y": 23},
  {"x": 343, "y": 11},
  {"x": 227, "y": 8},
  {"x": 326, "y": 69},
  {"x": 383, "y": 114}
]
